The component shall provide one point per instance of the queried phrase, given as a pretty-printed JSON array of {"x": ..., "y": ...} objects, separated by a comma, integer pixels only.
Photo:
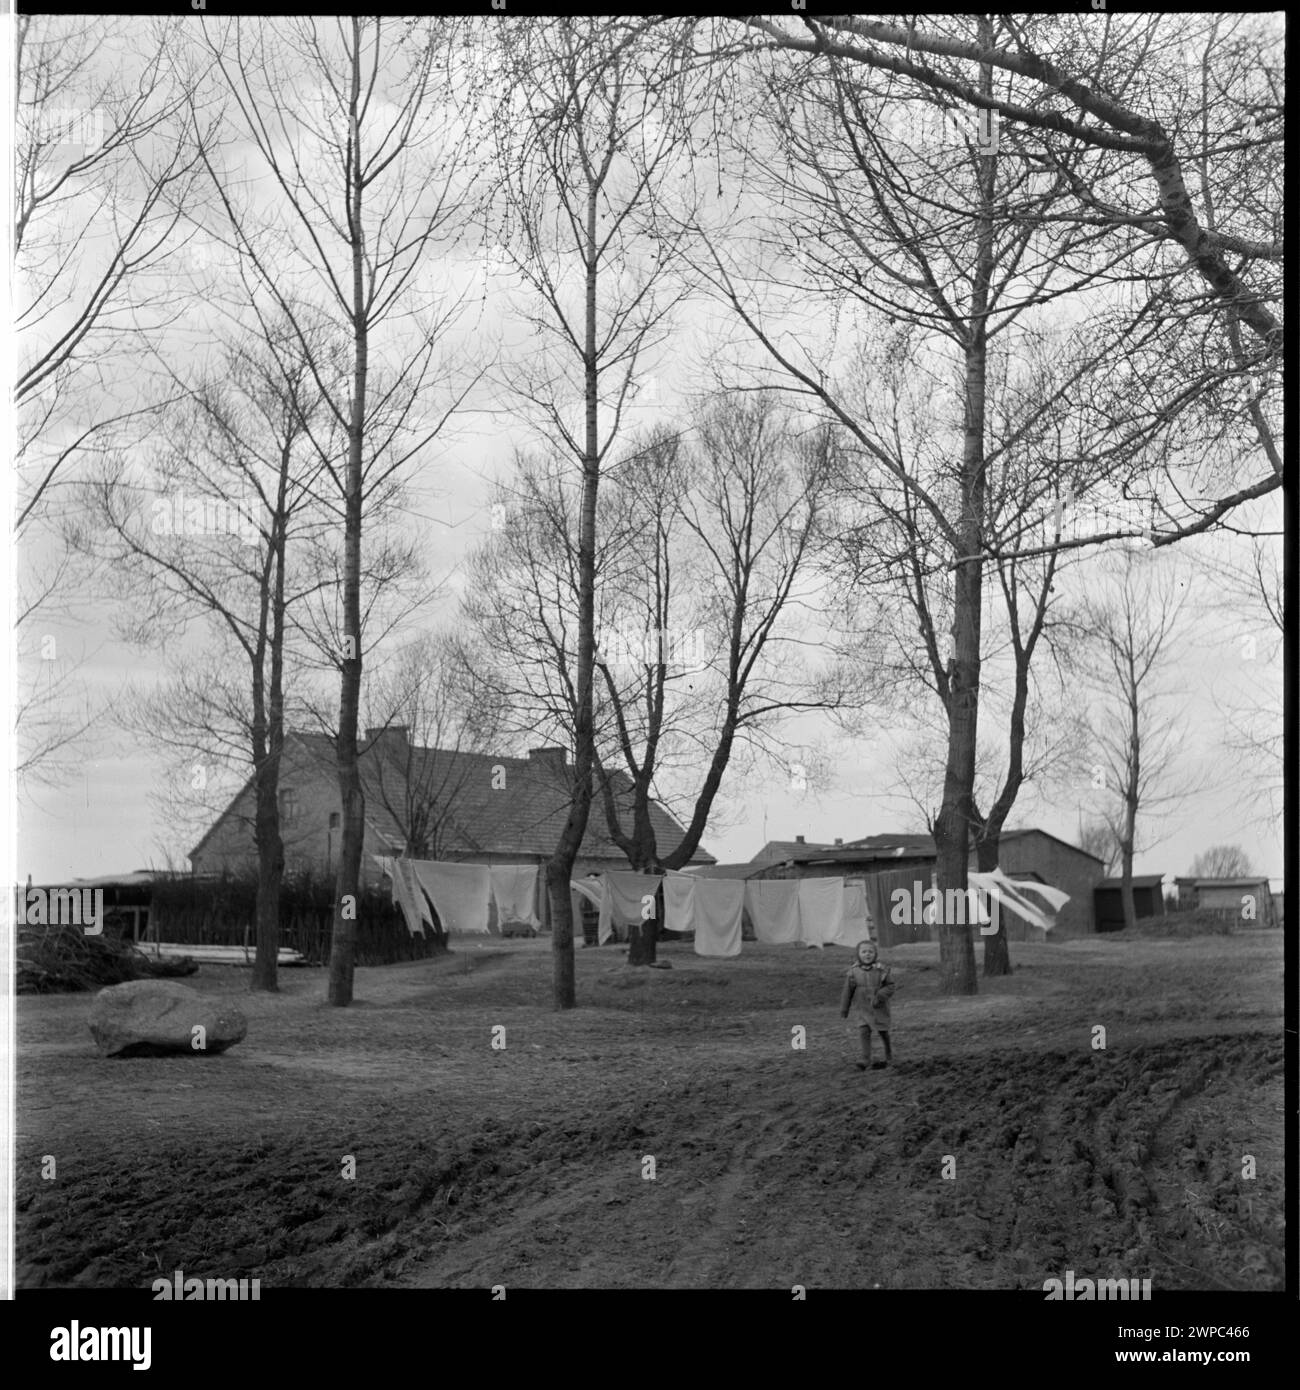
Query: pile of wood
[{"x": 64, "y": 959}]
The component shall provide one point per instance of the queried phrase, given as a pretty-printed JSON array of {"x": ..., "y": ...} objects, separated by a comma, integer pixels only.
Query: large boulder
[{"x": 158, "y": 1018}]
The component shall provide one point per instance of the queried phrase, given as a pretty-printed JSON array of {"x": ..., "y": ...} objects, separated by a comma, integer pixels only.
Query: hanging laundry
[
  {"x": 593, "y": 889},
  {"x": 719, "y": 909},
  {"x": 406, "y": 894},
  {"x": 626, "y": 894},
  {"x": 679, "y": 902},
  {"x": 1009, "y": 892},
  {"x": 773, "y": 907},
  {"x": 1055, "y": 898},
  {"x": 514, "y": 891},
  {"x": 821, "y": 910},
  {"x": 855, "y": 927},
  {"x": 460, "y": 893}
]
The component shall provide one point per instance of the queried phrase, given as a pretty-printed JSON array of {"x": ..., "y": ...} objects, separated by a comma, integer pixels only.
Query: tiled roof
[{"x": 526, "y": 816}]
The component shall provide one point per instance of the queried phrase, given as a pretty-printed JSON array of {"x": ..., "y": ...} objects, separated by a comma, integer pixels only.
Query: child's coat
[{"x": 867, "y": 992}]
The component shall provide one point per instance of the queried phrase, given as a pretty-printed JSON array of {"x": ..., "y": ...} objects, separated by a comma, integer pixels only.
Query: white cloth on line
[
  {"x": 459, "y": 892},
  {"x": 1054, "y": 897},
  {"x": 626, "y": 894},
  {"x": 679, "y": 902},
  {"x": 593, "y": 889},
  {"x": 821, "y": 910},
  {"x": 1007, "y": 891},
  {"x": 514, "y": 891},
  {"x": 854, "y": 928},
  {"x": 719, "y": 907},
  {"x": 406, "y": 894},
  {"x": 773, "y": 907}
]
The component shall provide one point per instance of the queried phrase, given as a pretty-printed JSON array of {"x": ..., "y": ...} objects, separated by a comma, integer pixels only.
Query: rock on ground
[{"x": 157, "y": 1018}]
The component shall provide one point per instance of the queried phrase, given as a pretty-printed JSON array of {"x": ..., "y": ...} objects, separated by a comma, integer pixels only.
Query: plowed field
[{"x": 667, "y": 1133}]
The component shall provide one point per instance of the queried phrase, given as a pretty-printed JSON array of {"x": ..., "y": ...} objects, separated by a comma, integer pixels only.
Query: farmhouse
[
  {"x": 884, "y": 863},
  {"x": 428, "y": 803}
]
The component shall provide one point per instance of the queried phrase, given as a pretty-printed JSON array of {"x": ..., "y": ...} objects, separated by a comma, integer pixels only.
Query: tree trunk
[
  {"x": 560, "y": 868},
  {"x": 1126, "y": 885},
  {"x": 268, "y": 740},
  {"x": 562, "y": 977},
  {"x": 643, "y": 936},
  {"x": 343, "y": 940},
  {"x": 270, "y": 874},
  {"x": 997, "y": 951},
  {"x": 957, "y": 812}
]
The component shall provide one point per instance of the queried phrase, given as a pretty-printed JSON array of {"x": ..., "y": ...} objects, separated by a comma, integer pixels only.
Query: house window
[
  {"x": 288, "y": 806},
  {"x": 334, "y": 820}
]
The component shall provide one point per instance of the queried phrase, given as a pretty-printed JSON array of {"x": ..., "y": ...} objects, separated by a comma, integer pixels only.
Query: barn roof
[{"x": 920, "y": 842}]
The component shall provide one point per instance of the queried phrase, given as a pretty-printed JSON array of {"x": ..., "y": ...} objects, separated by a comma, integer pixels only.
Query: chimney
[
  {"x": 798, "y": 839},
  {"x": 552, "y": 756}
]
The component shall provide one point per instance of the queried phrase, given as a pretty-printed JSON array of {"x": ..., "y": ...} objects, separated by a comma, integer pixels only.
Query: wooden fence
[{"x": 223, "y": 913}]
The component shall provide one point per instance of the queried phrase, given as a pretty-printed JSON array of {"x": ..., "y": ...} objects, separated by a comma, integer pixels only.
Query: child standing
[{"x": 868, "y": 988}]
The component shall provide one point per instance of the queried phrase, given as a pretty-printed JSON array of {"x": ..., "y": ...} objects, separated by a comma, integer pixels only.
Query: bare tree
[
  {"x": 1139, "y": 765},
  {"x": 103, "y": 165},
  {"x": 707, "y": 616},
  {"x": 1098, "y": 838},
  {"x": 425, "y": 692},
  {"x": 354, "y": 125},
  {"x": 223, "y": 534},
  {"x": 1222, "y": 861},
  {"x": 583, "y": 148}
]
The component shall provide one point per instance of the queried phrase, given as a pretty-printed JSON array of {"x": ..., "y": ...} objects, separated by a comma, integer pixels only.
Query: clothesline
[
  {"x": 806, "y": 911},
  {"x": 462, "y": 894}
]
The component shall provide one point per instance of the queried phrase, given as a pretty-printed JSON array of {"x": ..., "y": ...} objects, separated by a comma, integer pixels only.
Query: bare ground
[{"x": 772, "y": 1166}]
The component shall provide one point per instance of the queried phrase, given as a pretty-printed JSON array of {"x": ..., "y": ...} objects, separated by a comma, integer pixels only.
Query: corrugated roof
[
  {"x": 1252, "y": 882},
  {"x": 924, "y": 843},
  {"x": 726, "y": 870},
  {"x": 526, "y": 816},
  {"x": 1139, "y": 881},
  {"x": 778, "y": 851}
]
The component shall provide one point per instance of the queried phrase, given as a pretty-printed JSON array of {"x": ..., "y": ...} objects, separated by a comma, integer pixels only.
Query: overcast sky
[{"x": 105, "y": 818}]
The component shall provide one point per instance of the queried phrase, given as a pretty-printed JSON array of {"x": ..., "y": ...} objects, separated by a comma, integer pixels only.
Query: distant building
[
  {"x": 1247, "y": 901},
  {"x": 885, "y": 863},
  {"x": 470, "y": 808},
  {"x": 1148, "y": 900}
]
